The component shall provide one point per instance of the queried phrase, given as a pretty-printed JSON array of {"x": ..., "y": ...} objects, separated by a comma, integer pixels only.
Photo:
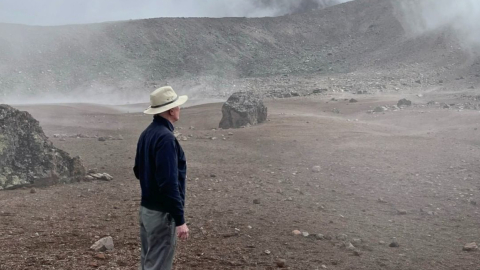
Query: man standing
[{"x": 161, "y": 167}]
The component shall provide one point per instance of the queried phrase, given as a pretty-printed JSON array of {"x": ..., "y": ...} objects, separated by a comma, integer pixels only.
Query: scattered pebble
[
  {"x": 394, "y": 244},
  {"x": 470, "y": 247},
  {"x": 103, "y": 244},
  {"x": 281, "y": 263}
]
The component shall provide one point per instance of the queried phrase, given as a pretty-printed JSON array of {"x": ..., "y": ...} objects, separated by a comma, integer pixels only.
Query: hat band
[{"x": 165, "y": 104}]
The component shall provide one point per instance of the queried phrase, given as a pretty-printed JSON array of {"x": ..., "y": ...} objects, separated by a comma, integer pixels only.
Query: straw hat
[{"x": 164, "y": 99}]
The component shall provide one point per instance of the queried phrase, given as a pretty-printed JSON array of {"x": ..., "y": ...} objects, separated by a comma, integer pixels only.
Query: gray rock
[
  {"x": 319, "y": 236},
  {"x": 356, "y": 241},
  {"x": 353, "y": 100},
  {"x": 242, "y": 109},
  {"x": 103, "y": 244},
  {"x": 316, "y": 169},
  {"x": 305, "y": 234},
  {"x": 379, "y": 109},
  {"x": 27, "y": 156},
  {"x": 342, "y": 237},
  {"x": 404, "y": 102},
  {"x": 394, "y": 244},
  {"x": 470, "y": 247},
  {"x": 350, "y": 247},
  {"x": 256, "y": 201},
  {"x": 281, "y": 263},
  {"x": 102, "y": 176}
]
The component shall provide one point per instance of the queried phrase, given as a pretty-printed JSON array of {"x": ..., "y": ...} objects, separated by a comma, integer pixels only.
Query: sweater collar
[{"x": 164, "y": 122}]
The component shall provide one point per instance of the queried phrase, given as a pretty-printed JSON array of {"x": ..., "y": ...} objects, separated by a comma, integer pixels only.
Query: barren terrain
[
  {"x": 406, "y": 174},
  {"x": 350, "y": 180}
]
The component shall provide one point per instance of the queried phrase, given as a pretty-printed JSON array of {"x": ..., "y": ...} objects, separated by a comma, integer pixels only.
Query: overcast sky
[{"x": 58, "y": 12}]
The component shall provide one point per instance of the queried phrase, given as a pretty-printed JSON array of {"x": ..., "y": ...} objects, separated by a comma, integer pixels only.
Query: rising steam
[
  {"x": 282, "y": 7},
  {"x": 461, "y": 16}
]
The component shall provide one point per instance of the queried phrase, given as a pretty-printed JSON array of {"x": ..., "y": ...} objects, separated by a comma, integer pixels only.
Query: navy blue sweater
[{"x": 161, "y": 167}]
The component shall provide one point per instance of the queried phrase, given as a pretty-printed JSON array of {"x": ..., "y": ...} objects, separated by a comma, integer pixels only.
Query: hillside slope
[{"x": 127, "y": 56}]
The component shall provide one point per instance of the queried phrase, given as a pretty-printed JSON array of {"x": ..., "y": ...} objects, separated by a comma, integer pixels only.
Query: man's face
[{"x": 175, "y": 113}]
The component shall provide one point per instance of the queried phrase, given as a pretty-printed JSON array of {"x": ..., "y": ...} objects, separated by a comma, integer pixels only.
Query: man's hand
[{"x": 182, "y": 232}]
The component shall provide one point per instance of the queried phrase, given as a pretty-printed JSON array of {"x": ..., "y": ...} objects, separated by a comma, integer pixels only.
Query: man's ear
[{"x": 171, "y": 112}]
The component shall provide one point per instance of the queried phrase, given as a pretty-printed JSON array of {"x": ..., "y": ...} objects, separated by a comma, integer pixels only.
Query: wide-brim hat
[{"x": 164, "y": 99}]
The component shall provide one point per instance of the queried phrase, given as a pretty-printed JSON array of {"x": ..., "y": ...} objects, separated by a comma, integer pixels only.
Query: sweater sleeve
[
  {"x": 166, "y": 176},
  {"x": 137, "y": 162}
]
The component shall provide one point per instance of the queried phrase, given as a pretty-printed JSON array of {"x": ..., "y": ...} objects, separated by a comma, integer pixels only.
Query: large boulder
[
  {"x": 241, "y": 109},
  {"x": 27, "y": 157}
]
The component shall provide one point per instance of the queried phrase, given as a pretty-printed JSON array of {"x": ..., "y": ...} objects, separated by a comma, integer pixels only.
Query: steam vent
[
  {"x": 27, "y": 157},
  {"x": 242, "y": 109}
]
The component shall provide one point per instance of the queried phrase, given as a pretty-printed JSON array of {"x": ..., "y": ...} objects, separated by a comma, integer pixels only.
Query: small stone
[
  {"x": 353, "y": 100},
  {"x": 268, "y": 252},
  {"x": 319, "y": 236},
  {"x": 102, "y": 176},
  {"x": 324, "y": 266},
  {"x": 401, "y": 212},
  {"x": 381, "y": 242},
  {"x": 102, "y": 139},
  {"x": 356, "y": 241},
  {"x": 100, "y": 256},
  {"x": 342, "y": 237},
  {"x": 317, "y": 169},
  {"x": 381, "y": 200},
  {"x": 103, "y": 244},
  {"x": 394, "y": 244},
  {"x": 305, "y": 234},
  {"x": 357, "y": 253},
  {"x": 335, "y": 110},
  {"x": 213, "y": 138},
  {"x": 213, "y": 175},
  {"x": 470, "y": 247},
  {"x": 328, "y": 237},
  {"x": 296, "y": 232},
  {"x": 404, "y": 102},
  {"x": 281, "y": 263},
  {"x": 33, "y": 190},
  {"x": 350, "y": 247},
  {"x": 256, "y": 201},
  {"x": 379, "y": 109}
]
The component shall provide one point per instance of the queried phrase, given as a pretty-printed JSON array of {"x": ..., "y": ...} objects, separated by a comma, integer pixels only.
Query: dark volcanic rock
[
  {"x": 243, "y": 108},
  {"x": 27, "y": 156},
  {"x": 404, "y": 102}
]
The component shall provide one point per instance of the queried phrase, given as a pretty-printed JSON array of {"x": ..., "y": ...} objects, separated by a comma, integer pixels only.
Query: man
[{"x": 161, "y": 167}]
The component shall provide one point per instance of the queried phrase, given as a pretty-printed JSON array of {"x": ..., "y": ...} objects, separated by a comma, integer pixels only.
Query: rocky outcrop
[
  {"x": 242, "y": 109},
  {"x": 27, "y": 157}
]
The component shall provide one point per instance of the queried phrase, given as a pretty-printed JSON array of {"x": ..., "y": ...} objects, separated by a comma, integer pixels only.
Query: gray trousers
[{"x": 157, "y": 233}]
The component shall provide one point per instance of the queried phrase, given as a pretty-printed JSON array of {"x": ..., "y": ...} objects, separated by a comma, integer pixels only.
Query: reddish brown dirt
[{"x": 423, "y": 161}]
